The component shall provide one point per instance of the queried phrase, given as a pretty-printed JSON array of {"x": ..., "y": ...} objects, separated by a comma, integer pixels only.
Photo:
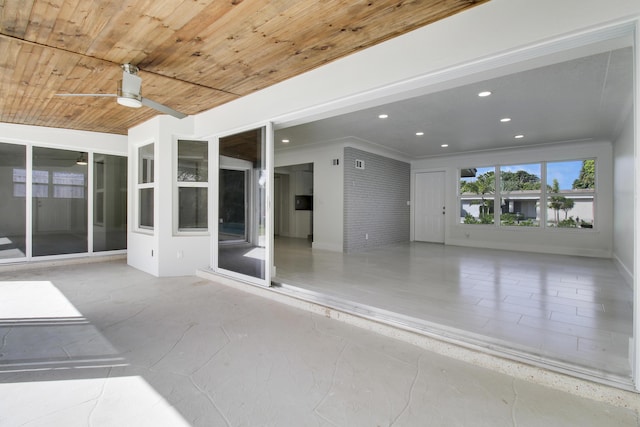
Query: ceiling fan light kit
[{"x": 81, "y": 160}]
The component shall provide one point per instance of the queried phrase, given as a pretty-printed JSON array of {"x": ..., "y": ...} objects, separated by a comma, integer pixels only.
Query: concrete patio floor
[{"x": 103, "y": 344}]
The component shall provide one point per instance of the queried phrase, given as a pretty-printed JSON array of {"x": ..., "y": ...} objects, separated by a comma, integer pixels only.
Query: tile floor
[
  {"x": 569, "y": 312},
  {"x": 106, "y": 345}
]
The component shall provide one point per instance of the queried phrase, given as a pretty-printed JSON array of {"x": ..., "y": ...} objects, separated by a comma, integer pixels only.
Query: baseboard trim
[
  {"x": 624, "y": 271},
  {"x": 48, "y": 263}
]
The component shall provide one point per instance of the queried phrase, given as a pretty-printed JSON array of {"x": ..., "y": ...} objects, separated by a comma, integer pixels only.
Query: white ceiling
[{"x": 583, "y": 98}]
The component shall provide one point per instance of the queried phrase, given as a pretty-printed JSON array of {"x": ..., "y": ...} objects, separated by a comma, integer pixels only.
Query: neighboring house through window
[{"x": 568, "y": 192}]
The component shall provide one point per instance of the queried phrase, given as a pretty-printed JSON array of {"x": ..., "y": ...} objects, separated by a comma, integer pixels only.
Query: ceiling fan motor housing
[{"x": 129, "y": 87}]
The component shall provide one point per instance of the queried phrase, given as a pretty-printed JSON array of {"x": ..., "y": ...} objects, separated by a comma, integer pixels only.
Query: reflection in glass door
[
  {"x": 242, "y": 206},
  {"x": 13, "y": 191},
  {"x": 59, "y": 201},
  {"x": 109, "y": 203},
  {"x": 232, "y": 206}
]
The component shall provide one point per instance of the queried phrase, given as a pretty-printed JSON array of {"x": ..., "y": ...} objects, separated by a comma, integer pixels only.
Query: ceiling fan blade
[
  {"x": 162, "y": 108},
  {"x": 86, "y": 94}
]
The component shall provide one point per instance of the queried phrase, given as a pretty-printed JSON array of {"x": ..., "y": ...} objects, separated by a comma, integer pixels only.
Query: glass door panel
[
  {"x": 13, "y": 192},
  {"x": 232, "y": 221},
  {"x": 59, "y": 187},
  {"x": 109, "y": 203},
  {"x": 242, "y": 205}
]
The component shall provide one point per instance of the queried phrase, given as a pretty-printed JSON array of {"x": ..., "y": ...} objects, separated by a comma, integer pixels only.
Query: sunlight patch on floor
[
  {"x": 34, "y": 300},
  {"x": 95, "y": 402}
]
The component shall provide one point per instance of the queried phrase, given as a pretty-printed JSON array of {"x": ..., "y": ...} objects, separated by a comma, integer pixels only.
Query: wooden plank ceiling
[{"x": 193, "y": 54}]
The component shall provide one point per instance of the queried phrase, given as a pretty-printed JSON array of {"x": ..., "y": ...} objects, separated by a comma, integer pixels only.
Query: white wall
[
  {"x": 164, "y": 252},
  {"x": 327, "y": 190},
  {"x": 597, "y": 242},
  {"x": 142, "y": 247},
  {"x": 623, "y": 196},
  {"x": 64, "y": 138}
]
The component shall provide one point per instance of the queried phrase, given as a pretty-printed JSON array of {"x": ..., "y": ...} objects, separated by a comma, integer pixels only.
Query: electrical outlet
[{"x": 366, "y": 236}]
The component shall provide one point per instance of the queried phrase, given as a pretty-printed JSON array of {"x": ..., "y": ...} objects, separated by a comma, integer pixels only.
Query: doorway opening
[
  {"x": 293, "y": 203},
  {"x": 242, "y": 205}
]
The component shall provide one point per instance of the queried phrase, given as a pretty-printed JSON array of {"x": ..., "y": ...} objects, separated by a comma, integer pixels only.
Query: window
[
  {"x": 192, "y": 183},
  {"x": 520, "y": 189},
  {"x": 68, "y": 185},
  {"x": 565, "y": 199},
  {"x": 477, "y": 195},
  {"x": 571, "y": 194},
  {"x": 146, "y": 186}
]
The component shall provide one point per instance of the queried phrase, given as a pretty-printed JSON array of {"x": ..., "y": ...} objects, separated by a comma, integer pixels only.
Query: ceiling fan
[{"x": 129, "y": 93}]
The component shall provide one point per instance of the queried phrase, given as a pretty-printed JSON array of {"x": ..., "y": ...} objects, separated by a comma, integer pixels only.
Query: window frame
[
  {"x": 178, "y": 184},
  {"x": 490, "y": 196},
  {"x": 593, "y": 193},
  {"x": 544, "y": 195},
  {"x": 503, "y": 195},
  {"x": 142, "y": 175}
]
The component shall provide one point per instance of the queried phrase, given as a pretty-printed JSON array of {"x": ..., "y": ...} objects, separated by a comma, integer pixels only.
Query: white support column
[{"x": 635, "y": 348}]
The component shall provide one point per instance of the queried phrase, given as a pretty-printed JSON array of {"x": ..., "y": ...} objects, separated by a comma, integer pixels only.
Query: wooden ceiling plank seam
[
  {"x": 79, "y": 23},
  {"x": 25, "y": 51},
  {"x": 43, "y": 20},
  {"x": 162, "y": 22},
  {"x": 15, "y": 17},
  {"x": 30, "y": 103},
  {"x": 252, "y": 35},
  {"x": 66, "y": 31},
  {"x": 61, "y": 65},
  {"x": 208, "y": 29},
  {"x": 244, "y": 87},
  {"x": 252, "y": 41},
  {"x": 215, "y": 68},
  {"x": 174, "y": 15},
  {"x": 115, "y": 18},
  {"x": 83, "y": 79},
  {"x": 126, "y": 49}
]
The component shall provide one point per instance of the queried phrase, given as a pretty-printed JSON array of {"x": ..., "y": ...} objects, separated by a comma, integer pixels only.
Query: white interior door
[{"x": 429, "y": 207}]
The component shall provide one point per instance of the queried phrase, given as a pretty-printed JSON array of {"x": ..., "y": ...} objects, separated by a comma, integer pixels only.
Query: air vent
[{"x": 359, "y": 164}]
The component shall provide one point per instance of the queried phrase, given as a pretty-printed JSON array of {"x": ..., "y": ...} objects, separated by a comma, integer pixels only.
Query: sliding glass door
[
  {"x": 59, "y": 202},
  {"x": 55, "y": 204},
  {"x": 243, "y": 220},
  {"x": 13, "y": 190},
  {"x": 109, "y": 203}
]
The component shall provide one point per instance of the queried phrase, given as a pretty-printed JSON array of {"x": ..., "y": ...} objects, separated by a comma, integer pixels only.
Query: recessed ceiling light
[
  {"x": 383, "y": 116},
  {"x": 505, "y": 120},
  {"x": 444, "y": 145},
  {"x": 285, "y": 141},
  {"x": 484, "y": 93},
  {"x": 519, "y": 136},
  {"x": 419, "y": 133}
]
